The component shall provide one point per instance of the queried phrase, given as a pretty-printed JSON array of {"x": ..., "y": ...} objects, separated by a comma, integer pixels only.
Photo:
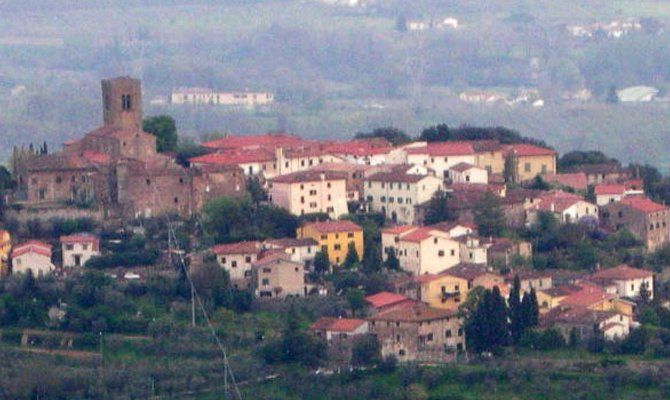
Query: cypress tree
[
  {"x": 351, "y": 260},
  {"x": 392, "y": 261},
  {"x": 530, "y": 310},
  {"x": 515, "y": 313},
  {"x": 497, "y": 320}
]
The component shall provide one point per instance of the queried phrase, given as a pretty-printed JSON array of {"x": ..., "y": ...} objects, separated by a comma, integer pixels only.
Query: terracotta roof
[
  {"x": 643, "y": 204},
  {"x": 292, "y": 242},
  {"x": 59, "y": 161},
  {"x": 418, "y": 235},
  {"x": 334, "y": 226},
  {"x": 562, "y": 290},
  {"x": 463, "y": 166},
  {"x": 398, "y": 229},
  {"x": 254, "y": 141},
  {"x": 574, "y": 315},
  {"x": 385, "y": 299},
  {"x": 337, "y": 324},
  {"x": 418, "y": 313},
  {"x": 466, "y": 271},
  {"x": 605, "y": 189},
  {"x": 575, "y": 180},
  {"x": 34, "y": 246},
  {"x": 234, "y": 157},
  {"x": 525, "y": 274},
  {"x": 360, "y": 147},
  {"x": 449, "y": 226},
  {"x": 82, "y": 238},
  {"x": 587, "y": 297},
  {"x": 529, "y": 150},
  {"x": 602, "y": 168},
  {"x": 309, "y": 176},
  {"x": 267, "y": 256},
  {"x": 249, "y": 247},
  {"x": 444, "y": 149},
  {"x": 622, "y": 272},
  {"x": 486, "y": 146},
  {"x": 556, "y": 201}
]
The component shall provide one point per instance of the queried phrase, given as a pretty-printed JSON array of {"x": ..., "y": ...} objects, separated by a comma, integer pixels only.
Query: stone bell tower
[{"x": 122, "y": 103}]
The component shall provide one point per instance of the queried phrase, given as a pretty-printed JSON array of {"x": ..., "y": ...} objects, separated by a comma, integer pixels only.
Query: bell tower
[{"x": 122, "y": 103}]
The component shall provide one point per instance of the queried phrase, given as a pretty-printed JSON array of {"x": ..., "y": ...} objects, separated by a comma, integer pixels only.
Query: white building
[
  {"x": 32, "y": 255},
  {"x": 467, "y": 173},
  {"x": 311, "y": 192},
  {"x": 421, "y": 250},
  {"x": 78, "y": 249},
  {"x": 209, "y": 96}
]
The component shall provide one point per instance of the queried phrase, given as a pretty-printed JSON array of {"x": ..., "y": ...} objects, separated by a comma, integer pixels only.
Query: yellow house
[
  {"x": 551, "y": 297},
  {"x": 334, "y": 237},
  {"x": 528, "y": 161}
]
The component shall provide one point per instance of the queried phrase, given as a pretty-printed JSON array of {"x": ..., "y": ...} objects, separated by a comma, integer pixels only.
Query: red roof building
[{"x": 329, "y": 328}]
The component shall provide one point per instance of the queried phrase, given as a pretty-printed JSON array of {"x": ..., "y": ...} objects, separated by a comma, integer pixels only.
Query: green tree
[
  {"x": 439, "y": 209},
  {"x": 487, "y": 329},
  {"x": 255, "y": 190},
  {"x": 372, "y": 260},
  {"x": 488, "y": 216},
  {"x": 530, "y": 313},
  {"x": 392, "y": 261},
  {"x": 295, "y": 346},
  {"x": 573, "y": 340},
  {"x": 351, "y": 260},
  {"x": 165, "y": 130},
  {"x": 212, "y": 284},
  {"x": 321, "y": 262},
  {"x": 436, "y": 133},
  {"x": 394, "y": 136},
  {"x": 366, "y": 351},
  {"x": 356, "y": 300},
  {"x": 517, "y": 326}
]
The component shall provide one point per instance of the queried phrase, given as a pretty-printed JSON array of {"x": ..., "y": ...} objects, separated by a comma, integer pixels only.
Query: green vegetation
[{"x": 165, "y": 130}]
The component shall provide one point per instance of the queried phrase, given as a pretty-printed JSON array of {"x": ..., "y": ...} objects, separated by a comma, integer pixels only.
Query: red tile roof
[
  {"x": 309, "y": 176},
  {"x": 587, "y": 297},
  {"x": 467, "y": 271},
  {"x": 576, "y": 180},
  {"x": 622, "y": 272},
  {"x": 556, "y": 201},
  {"x": 462, "y": 167},
  {"x": 254, "y": 141},
  {"x": 82, "y": 238},
  {"x": 418, "y": 235},
  {"x": 337, "y": 324},
  {"x": 398, "y": 229},
  {"x": 418, "y": 313},
  {"x": 643, "y": 204},
  {"x": 95, "y": 157},
  {"x": 249, "y": 247},
  {"x": 529, "y": 150},
  {"x": 605, "y": 189},
  {"x": 385, "y": 299},
  {"x": 444, "y": 149},
  {"x": 334, "y": 226},
  {"x": 32, "y": 246},
  {"x": 234, "y": 157}
]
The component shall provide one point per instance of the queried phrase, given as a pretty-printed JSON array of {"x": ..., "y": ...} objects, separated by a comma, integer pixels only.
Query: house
[
  {"x": 77, "y": 249},
  {"x": 276, "y": 276},
  {"x": 611, "y": 172},
  {"x": 476, "y": 275},
  {"x": 576, "y": 181},
  {"x": 645, "y": 219},
  {"x": 396, "y": 193},
  {"x": 355, "y": 174},
  {"x": 501, "y": 251},
  {"x": 584, "y": 322},
  {"x": 386, "y": 301},
  {"x": 204, "y": 96},
  {"x": 530, "y": 279},
  {"x": 467, "y": 173},
  {"x": 566, "y": 207},
  {"x": 607, "y": 193},
  {"x": 419, "y": 333},
  {"x": 310, "y": 192},
  {"x": 628, "y": 280},
  {"x": 420, "y": 250},
  {"x": 441, "y": 156},
  {"x": 237, "y": 259},
  {"x": 300, "y": 250},
  {"x": 338, "y": 328},
  {"x": 334, "y": 237},
  {"x": 550, "y": 298},
  {"x": 32, "y": 255},
  {"x": 528, "y": 161},
  {"x": 373, "y": 151}
]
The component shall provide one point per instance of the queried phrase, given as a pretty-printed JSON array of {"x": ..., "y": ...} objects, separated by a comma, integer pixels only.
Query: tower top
[{"x": 122, "y": 103}]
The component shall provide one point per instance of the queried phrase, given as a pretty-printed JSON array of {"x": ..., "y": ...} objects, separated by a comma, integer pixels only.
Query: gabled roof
[
  {"x": 337, "y": 324},
  {"x": 609, "y": 189},
  {"x": 32, "y": 246},
  {"x": 574, "y": 180},
  {"x": 587, "y": 297},
  {"x": 254, "y": 141},
  {"x": 398, "y": 229},
  {"x": 385, "y": 299},
  {"x": 467, "y": 271},
  {"x": 292, "y": 242},
  {"x": 556, "y": 201},
  {"x": 334, "y": 226},
  {"x": 309, "y": 176},
  {"x": 234, "y": 157},
  {"x": 79, "y": 238},
  {"x": 621, "y": 273},
  {"x": 463, "y": 166},
  {"x": 419, "y": 312},
  {"x": 444, "y": 149},
  {"x": 528, "y": 150},
  {"x": 248, "y": 247},
  {"x": 643, "y": 204}
]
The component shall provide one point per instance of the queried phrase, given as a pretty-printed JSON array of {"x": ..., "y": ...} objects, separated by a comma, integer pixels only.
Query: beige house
[
  {"x": 77, "y": 249},
  {"x": 338, "y": 328},
  {"x": 467, "y": 174},
  {"x": 276, "y": 276},
  {"x": 419, "y": 333},
  {"x": 528, "y": 161},
  {"x": 300, "y": 250},
  {"x": 237, "y": 259},
  {"x": 530, "y": 279},
  {"x": 421, "y": 250},
  {"x": 311, "y": 192},
  {"x": 396, "y": 193},
  {"x": 32, "y": 255},
  {"x": 441, "y": 156}
]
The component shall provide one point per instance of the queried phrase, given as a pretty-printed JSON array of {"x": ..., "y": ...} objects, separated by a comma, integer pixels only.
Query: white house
[
  {"x": 467, "y": 173},
  {"x": 32, "y": 255},
  {"x": 77, "y": 249}
]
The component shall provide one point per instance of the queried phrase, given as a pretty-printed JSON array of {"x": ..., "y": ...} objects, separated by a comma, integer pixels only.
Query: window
[
  {"x": 234, "y": 264},
  {"x": 265, "y": 282},
  {"x": 526, "y": 167},
  {"x": 399, "y": 200},
  {"x": 460, "y": 332},
  {"x": 302, "y": 186},
  {"x": 267, "y": 270},
  {"x": 447, "y": 333},
  {"x": 383, "y": 199},
  {"x": 223, "y": 260},
  {"x": 453, "y": 252},
  {"x": 370, "y": 198},
  {"x": 429, "y": 338},
  {"x": 84, "y": 246},
  {"x": 148, "y": 181},
  {"x": 69, "y": 247},
  {"x": 440, "y": 253},
  {"x": 59, "y": 179},
  {"x": 176, "y": 200},
  {"x": 126, "y": 102},
  {"x": 328, "y": 185},
  {"x": 397, "y": 338},
  {"x": 544, "y": 168},
  {"x": 350, "y": 234},
  {"x": 312, "y": 192},
  {"x": 337, "y": 247},
  {"x": 247, "y": 259},
  {"x": 391, "y": 199}
]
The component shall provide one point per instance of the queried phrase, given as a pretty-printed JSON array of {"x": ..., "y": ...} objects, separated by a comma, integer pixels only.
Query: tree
[
  {"x": 321, "y": 262},
  {"x": 439, "y": 209},
  {"x": 255, "y": 190},
  {"x": 351, "y": 260},
  {"x": 372, "y": 261},
  {"x": 295, "y": 346},
  {"x": 393, "y": 135},
  {"x": 612, "y": 96},
  {"x": 645, "y": 294},
  {"x": 517, "y": 326},
  {"x": 392, "y": 261},
  {"x": 366, "y": 351},
  {"x": 486, "y": 328},
  {"x": 165, "y": 130},
  {"x": 573, "y": 340},
  {"x": 530, "y": 313},
  {"x": 356, "y": 300},
  {"x": 488, "y": 216},
  {"x": 539, "y": 184},
  {"x": 436, "y": 133},
  {"x": 212, "y": 284}
]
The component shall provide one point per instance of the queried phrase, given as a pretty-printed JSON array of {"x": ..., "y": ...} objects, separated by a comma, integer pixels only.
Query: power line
[{"x": 228, "y": 372}]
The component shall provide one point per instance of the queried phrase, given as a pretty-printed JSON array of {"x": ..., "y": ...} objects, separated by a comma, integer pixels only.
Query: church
[{"x": 117, "y": 169}]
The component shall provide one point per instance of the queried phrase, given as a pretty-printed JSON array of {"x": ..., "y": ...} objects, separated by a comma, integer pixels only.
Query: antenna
[{"x": 227, "y": 370}]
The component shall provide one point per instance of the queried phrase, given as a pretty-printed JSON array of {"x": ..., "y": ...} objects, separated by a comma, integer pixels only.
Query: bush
[{"x": 125, "y": 259}]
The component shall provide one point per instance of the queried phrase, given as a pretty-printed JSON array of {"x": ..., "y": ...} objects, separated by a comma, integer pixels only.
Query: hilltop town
[{"x": 463, "y": 247}]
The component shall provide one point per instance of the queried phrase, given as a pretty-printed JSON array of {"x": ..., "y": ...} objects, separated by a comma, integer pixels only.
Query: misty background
[{"x": 338, "y": 67}]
